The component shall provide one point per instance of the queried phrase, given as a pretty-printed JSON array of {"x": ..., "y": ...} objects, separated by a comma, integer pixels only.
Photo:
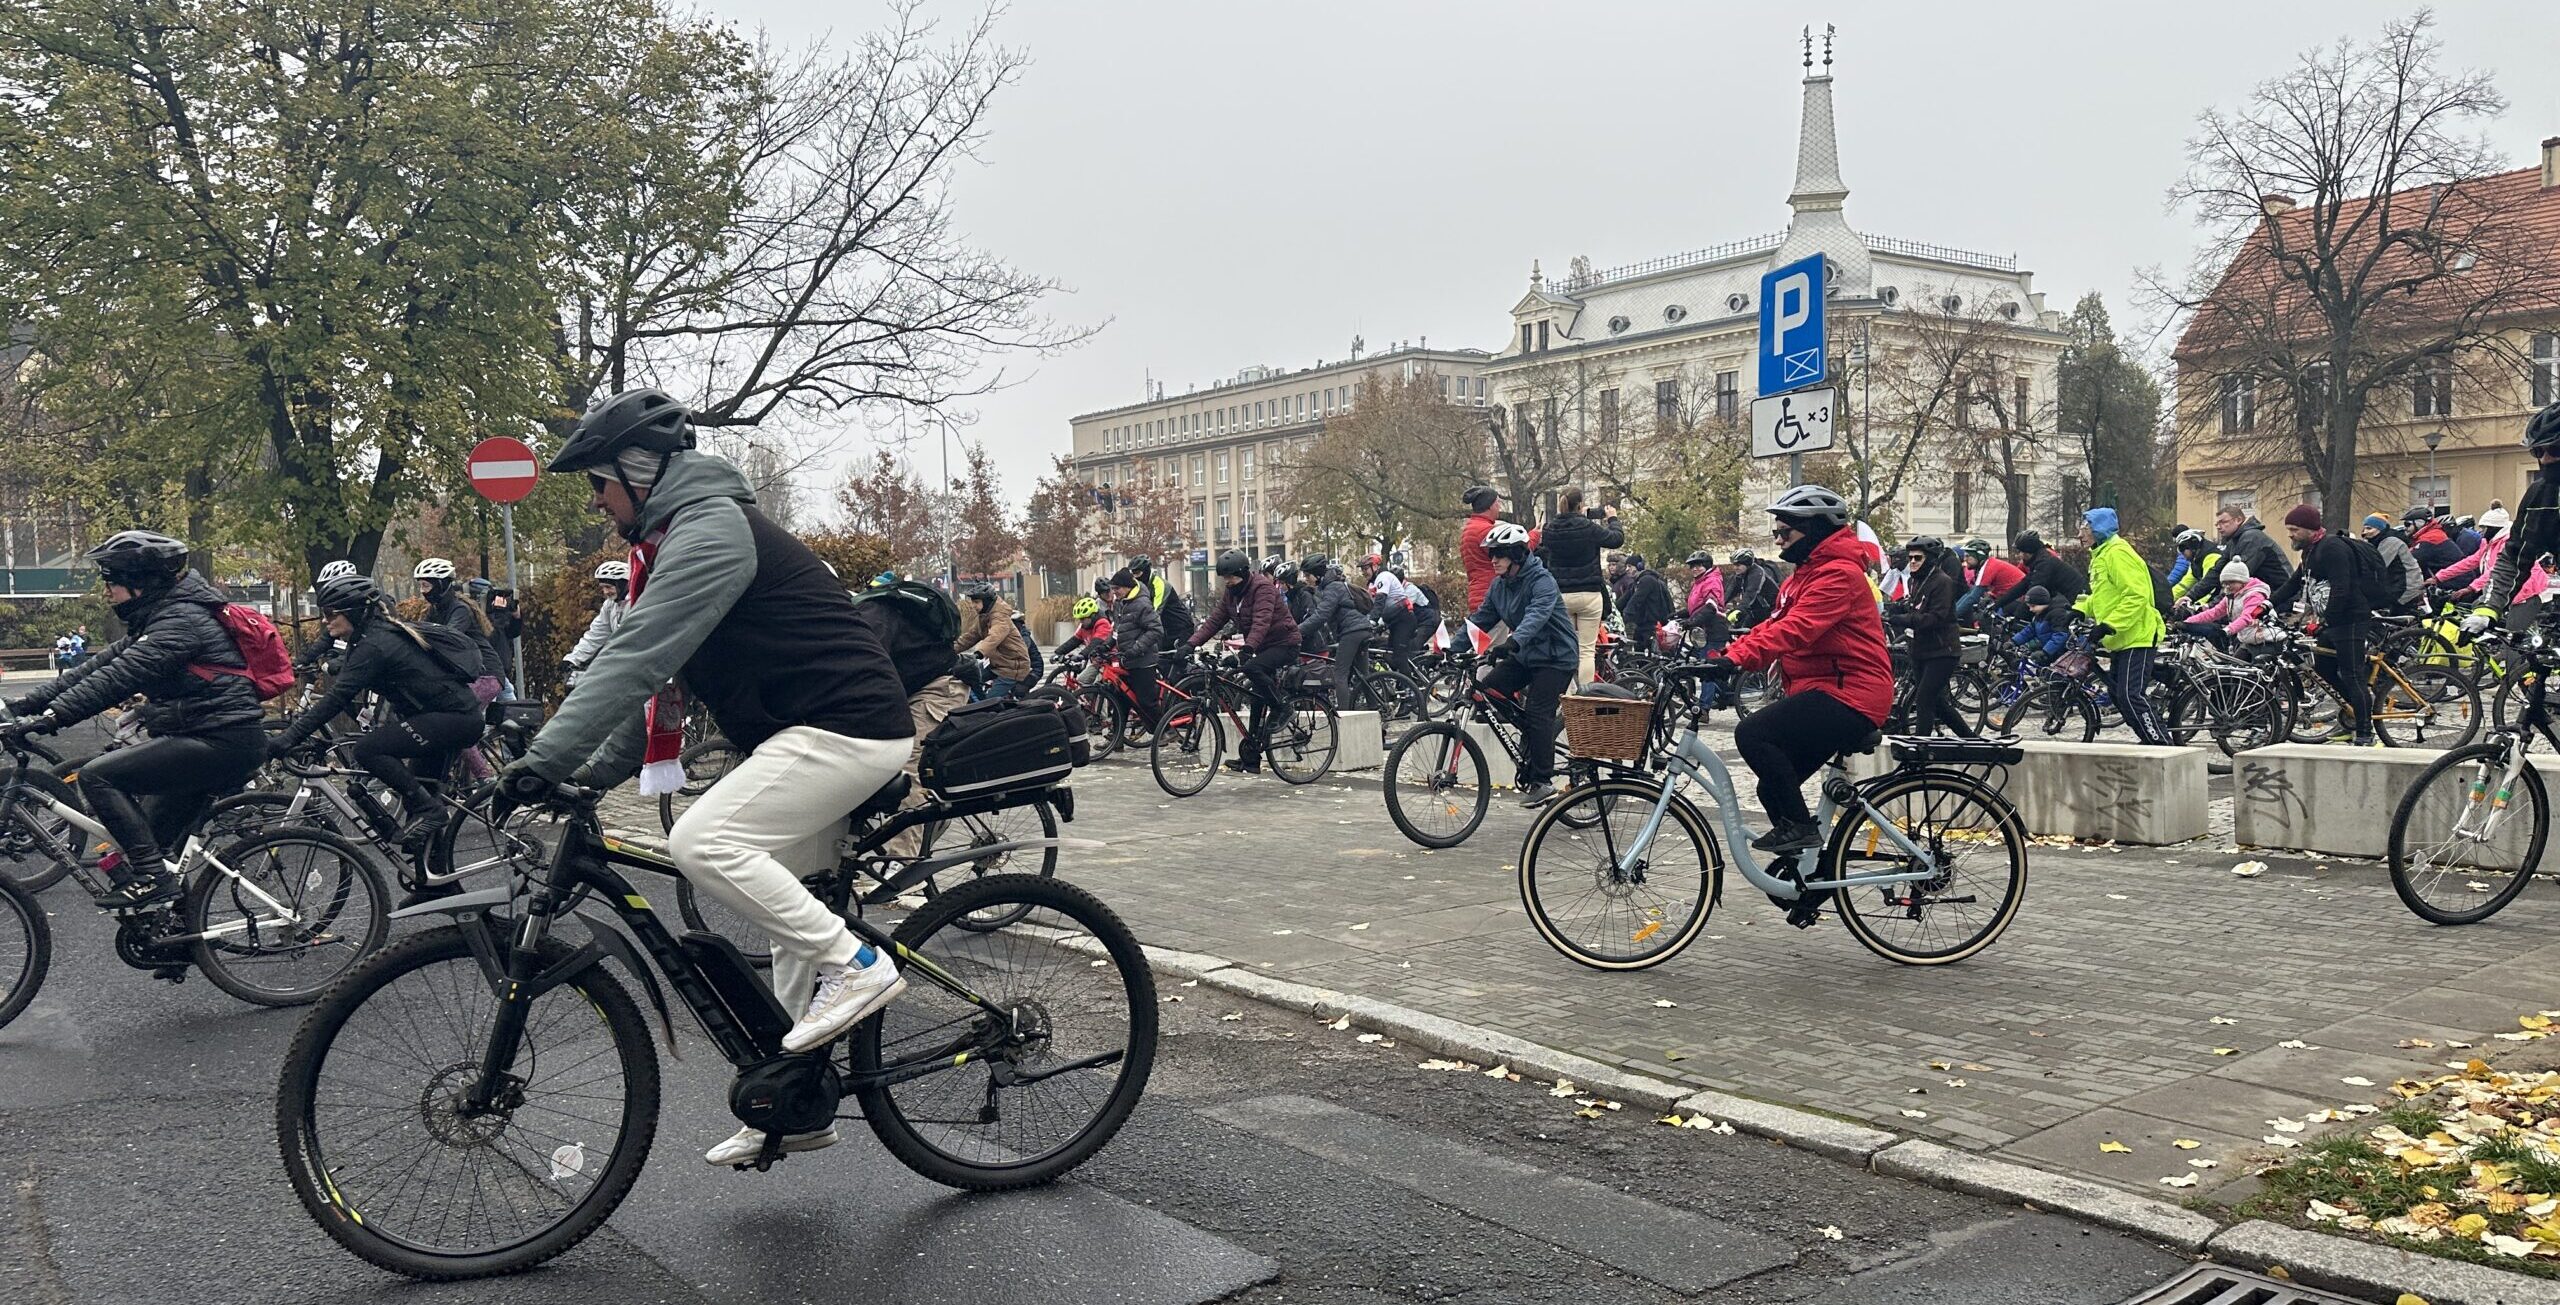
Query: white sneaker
[
  {"x": 749, "y": 1143},
  {"x": 845, "y": 995}
]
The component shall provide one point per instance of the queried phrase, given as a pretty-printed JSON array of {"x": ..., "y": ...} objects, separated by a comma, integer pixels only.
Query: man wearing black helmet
[
  {"x": 2536, "y": 528},
  {"x": 756, "y": 629},
  {"x": 423, "y": 681},
  {"x": 203, "y": 713},
  {"x": 1173, "y": 612},
  {"x": 2039, "y": 565},
  {"x": 1254, "y": 605}
]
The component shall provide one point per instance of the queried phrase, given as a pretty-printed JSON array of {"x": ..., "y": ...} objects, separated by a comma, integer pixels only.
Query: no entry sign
[{"x": 503, "y": 470}]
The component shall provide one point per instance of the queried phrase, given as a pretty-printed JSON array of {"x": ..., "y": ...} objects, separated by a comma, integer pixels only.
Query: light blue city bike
[{"x": 1926, "y": 863}]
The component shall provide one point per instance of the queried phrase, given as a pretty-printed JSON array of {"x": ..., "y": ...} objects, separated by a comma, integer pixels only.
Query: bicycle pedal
[
  {"x": 1805, "y": 915},
  {"x": 170, "y": 974}
]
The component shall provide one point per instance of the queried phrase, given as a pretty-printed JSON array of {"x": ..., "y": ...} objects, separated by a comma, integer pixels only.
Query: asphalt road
[{"x": 1274, "y": 1160}]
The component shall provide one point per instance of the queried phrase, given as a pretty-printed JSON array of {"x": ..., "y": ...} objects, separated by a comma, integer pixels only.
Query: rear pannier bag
[
  {"x": 1002, "y": 745},
  {"x": 1079, "y": 722}
]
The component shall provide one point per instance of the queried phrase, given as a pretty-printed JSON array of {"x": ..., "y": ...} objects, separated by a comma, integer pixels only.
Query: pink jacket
[
  {"x": 2237, "y": 614},
  {"x": 2482, "y": 561},
  {"x": 1706, "y": 591}
]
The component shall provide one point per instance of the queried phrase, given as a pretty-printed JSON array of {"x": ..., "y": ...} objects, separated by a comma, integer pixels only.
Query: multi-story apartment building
[
  {"x": 1221, "y": 443},
  {"x": 1672, "y": 339},
  {"x": 2445, "y": 438}
]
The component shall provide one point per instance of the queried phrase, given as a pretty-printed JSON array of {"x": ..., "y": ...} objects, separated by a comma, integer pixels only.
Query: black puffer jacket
[
  {"x": 168, "y": 634},
  {"x": 388, "y": 661},
  {"x": 1930, "y": 614},
  {"x": 2047, "y": 569},
  {"x": 1572, "y": 546},
  {"x": 451, "y": 610}
]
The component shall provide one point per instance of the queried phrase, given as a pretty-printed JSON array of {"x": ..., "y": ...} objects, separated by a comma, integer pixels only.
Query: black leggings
[
  {"x": 1931, "y": 704},
  {"x": 1541, "y": 690},
  {"x": 402, "y": 752},
  {"x": 1788, "y": 740},
  {"x": 175, "y": 779},
  {"x": 2340, "y": 659},
  {"x": 1267, "y": 698},
  {"x": 1143, "y": 686},
  {"x": 1348, "y": 654}
]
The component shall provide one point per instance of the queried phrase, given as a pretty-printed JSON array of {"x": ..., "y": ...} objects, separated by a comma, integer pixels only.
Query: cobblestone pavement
[{"x": 2091, "y": 1019}]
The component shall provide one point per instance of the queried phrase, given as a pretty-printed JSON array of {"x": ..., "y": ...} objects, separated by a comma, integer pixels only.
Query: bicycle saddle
[
  {"x": 887, "y": 799},
  {"x": 1872, "y": 740}
]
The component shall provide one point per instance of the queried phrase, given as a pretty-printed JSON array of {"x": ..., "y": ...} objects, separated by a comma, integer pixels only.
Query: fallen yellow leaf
[
  {"x": 2186, "y": 1144},
  {"x": 2226, "y": 1051},
  {"x": 2118, "y": 1147},
  {"x": 2410, "y": 1298}
]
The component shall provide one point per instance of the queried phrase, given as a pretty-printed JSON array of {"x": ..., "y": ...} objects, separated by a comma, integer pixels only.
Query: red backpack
[{"x": 270, "y": 666}]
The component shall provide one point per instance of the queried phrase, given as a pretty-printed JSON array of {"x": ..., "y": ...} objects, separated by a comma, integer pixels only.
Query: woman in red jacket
[{"x": 1828, "y": 642}]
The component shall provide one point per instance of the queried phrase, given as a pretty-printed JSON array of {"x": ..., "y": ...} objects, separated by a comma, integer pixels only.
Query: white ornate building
[{"x": 1676, "y": 335}]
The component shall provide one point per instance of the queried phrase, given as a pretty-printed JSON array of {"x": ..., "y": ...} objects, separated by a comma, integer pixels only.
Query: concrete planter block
[
  {"x": 1359, "y": 745},
  {"x": 1497, "y": 764},
  {"x": 2123, "y": 792},
  {"x": 2358, "y": 788}
]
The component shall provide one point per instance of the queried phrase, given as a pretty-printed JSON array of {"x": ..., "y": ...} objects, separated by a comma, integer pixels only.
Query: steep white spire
[{"x": 1820, "y": 225}]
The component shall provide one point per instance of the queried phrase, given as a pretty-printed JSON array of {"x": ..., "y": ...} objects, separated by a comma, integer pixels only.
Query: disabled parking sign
[{"x": 1791, "y": 341}]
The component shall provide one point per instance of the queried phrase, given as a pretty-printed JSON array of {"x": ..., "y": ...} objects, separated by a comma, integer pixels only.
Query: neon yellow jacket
[{"x": 2120, "y": 595}]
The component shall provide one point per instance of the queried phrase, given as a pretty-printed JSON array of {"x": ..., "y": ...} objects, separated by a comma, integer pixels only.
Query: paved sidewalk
[{"x": 2091, "y": 1020}]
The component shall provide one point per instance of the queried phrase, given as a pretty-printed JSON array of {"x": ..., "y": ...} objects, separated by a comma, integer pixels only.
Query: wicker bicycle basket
[{"x": 1607, "y": 729}]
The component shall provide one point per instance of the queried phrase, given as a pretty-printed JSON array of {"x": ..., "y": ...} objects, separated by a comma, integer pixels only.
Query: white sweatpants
[{"x": 776, "y": 817}]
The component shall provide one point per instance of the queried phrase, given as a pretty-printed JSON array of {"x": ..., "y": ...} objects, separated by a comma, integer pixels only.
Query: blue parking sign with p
[{"x": 1791, "y": 352}]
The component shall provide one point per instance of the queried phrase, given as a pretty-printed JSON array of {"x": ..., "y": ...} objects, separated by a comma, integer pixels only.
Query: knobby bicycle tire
[
  {"x": 2405, "y": 872},
  {"x": 22, "y": 918},
  {"x": 1455, "y": 763},
  {"x": 964, "y": 954},
  {"x": 370, "y": 1234}
]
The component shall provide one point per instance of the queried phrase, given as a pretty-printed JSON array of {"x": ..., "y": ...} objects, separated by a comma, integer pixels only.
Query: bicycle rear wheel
[
  {"x": 2459, "y": 851},
  {"x": 1106, "y": 718},
  {"x": 2053, "y": 709},
  {"x": 1588, "y": 905},
  {"x": 1076, "y": 1017},
  {"x": 1438, "y": 787},
  {"x": 300, "y": 908},
  {"x": 1189, "y": 741},
  {"x": 1033, "y": 819},
  {"x": 2423, "y": 706},
  {"x": 1978, "y": 843},
  {"x": 26, "y": 949},
  {"x": 368, "y": 1118},
  {"x": 1304, "y": 739}
]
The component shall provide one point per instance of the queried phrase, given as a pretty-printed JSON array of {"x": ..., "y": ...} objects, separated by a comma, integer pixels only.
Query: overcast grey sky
[{"x": 1225, "y": 184}]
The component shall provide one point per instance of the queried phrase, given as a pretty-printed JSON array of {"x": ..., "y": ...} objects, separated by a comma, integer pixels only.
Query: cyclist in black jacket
[
  {"x": 203, "y": 712},
  {"x": 433, "y": 715},
  {"x": 2537, "y": 522}
]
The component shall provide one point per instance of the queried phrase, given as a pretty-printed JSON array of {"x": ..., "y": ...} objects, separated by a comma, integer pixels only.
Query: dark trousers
[
  {"x": 1541, "y": 691},
  {"x": 151, "y": 794},
  {"x": 1786, "y": 741},
  {"x": 2342, "y": 649},
  {"x": 1267, "y": 698},
  {"x": 1402, "y": 633},
  {"x": 404, "y": 752},
  {"x": 1931, "y": 704},
  {"x": 1143, "y": 687},
  {"x": 2128, "y": 681},
  {"x": 1348, "y": 654}
]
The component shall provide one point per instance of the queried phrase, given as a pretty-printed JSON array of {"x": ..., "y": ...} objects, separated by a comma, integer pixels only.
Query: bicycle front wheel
[
  {"x": 381, "y": 1153},
  {"x": 1066, "y": 1036},
  {"x": 26, "y": 949},
  {"x": 1304, "y": 738},
  {"x": 1974, "y": 840},
  {"x": 1600, "y": 898},
  {"x": 299, "y": 907},
  {"x": 1106, "y": 719},
  {"x": 2460, "y": 848},
  {"x": 1188, "y": 744},
  {"x": 1438, "y": 787},
  {"x": 2053, "y": 709},
  {"x": 2422, "y": 706},
  {"x": 37, "y": 845}
]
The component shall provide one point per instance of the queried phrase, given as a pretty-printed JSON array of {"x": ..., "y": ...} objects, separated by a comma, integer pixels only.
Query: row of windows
[
  {"x": 1262, "y": 413},
  {"x": 2430, "y": 390}
]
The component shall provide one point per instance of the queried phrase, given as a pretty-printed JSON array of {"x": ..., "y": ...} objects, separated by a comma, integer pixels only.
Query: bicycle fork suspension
[
  {"x": 2487, "y": 801},
  {"x": 515, "y": 1001}
]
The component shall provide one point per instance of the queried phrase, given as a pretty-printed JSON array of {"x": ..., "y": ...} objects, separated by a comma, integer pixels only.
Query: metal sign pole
[
  {"x": 507, "y": 521},
  {"x": 1795, "y": 469}
]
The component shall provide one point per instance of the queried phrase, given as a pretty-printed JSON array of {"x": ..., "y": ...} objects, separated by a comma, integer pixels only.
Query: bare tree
[
  {"x": 888, "y": 502},
  {"x": 817, "y": 265},
  {"x": 2359, "y": 244},
  {"x": 1913, "y": 411},
  {"x": 1541, "y": 442},
  {"x": 983, "y": 537},
  {"x": 1058, "y": 529},
  {"x": 1386, "y": 472},
  {"x": 1148, "y": 515},
  {"x": 1675, "y": 458}
]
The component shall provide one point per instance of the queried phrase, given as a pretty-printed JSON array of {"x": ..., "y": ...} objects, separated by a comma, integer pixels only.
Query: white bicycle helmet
[
  {"x": 432, "y": 568},
  {"x": 1506, "y": 537},
  {"x": 617, "y": 571},
  {"x": 1811, "y": 501},
  {"x": 334, "y": 571}
]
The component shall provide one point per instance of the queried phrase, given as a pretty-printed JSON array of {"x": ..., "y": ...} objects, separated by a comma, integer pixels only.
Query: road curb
[
  {"x": 2381, "y": 1272},
  {"x": 1942, "y": 1166},
  {"x": 2311, "y": 1258}
]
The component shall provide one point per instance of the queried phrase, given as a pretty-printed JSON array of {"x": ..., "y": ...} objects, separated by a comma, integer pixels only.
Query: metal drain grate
[{"x": 2213, "y": 1284}]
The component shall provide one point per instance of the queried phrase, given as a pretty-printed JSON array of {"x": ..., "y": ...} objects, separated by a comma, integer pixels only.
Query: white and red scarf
[{"x": 662, "y": 768}]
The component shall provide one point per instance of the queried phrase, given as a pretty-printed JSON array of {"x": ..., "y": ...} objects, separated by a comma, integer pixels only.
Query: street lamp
[{"x": 2432, "y": 438}]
